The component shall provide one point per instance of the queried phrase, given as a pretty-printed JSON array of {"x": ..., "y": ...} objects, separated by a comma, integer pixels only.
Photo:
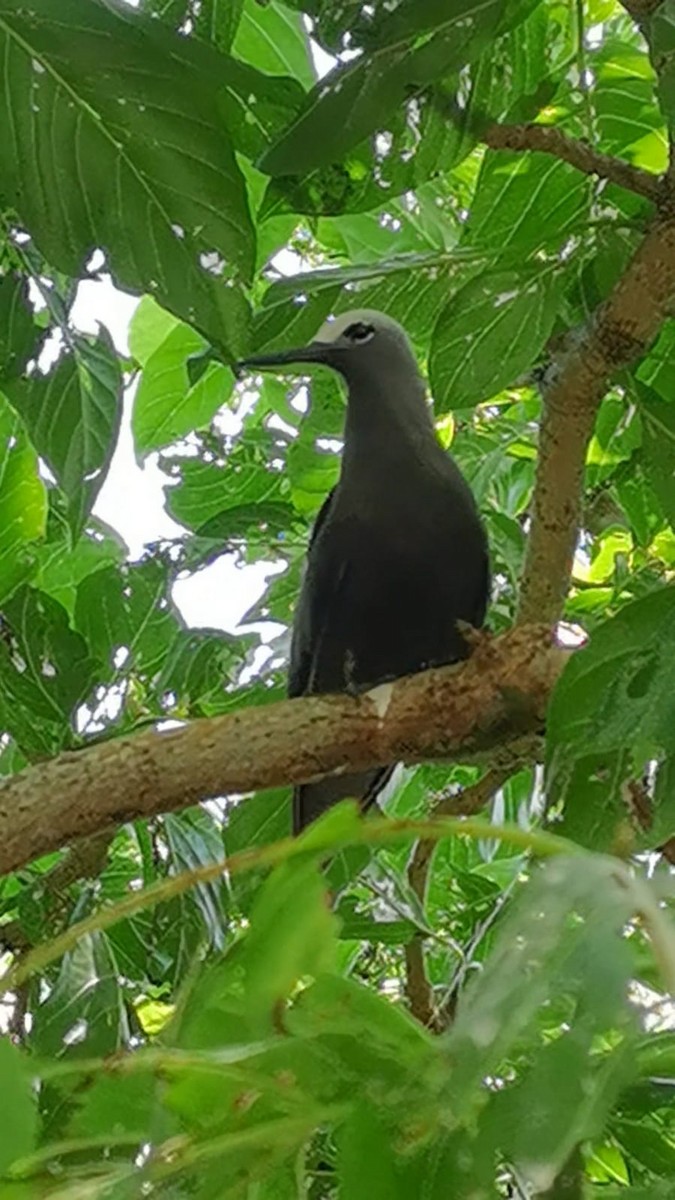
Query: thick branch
[
  {"x": 548, "y": 139},
  {"x": 461, "y": 711},
  {"x": 622, "y": 330}
]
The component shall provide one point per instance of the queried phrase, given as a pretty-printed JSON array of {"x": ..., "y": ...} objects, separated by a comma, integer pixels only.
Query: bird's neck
[{"x": 385, "y": 430}]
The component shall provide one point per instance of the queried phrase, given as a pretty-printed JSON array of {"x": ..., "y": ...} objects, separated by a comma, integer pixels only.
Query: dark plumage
[{"x": 398, "y": 553}]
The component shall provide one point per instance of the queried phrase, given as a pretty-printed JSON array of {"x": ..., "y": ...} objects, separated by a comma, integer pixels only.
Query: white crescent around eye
[{"x": 331, "y": 331}]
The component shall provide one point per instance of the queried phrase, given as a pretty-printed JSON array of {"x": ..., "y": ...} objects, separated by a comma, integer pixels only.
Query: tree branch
[
  {"x": 498, "y": 696},
  {"x": 548, "y": 139},
  {"x": 621, "y": 331}
]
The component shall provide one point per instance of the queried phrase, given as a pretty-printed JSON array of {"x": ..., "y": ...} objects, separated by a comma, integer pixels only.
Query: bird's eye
[{"x": 359, "y": 332}]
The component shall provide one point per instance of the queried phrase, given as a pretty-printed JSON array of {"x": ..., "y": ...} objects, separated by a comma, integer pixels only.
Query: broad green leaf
[
  {"x": 73, "y": 415},
  {"x": 658, "y": 434},
  {"x": 18, "y": 1105},
  {"x": 99, "y": 154},
  {"x": 611, "y": 709},
  {"x": 292, "y": 935},
  {"x": 654, "y": 1149},
  {"x": 23, "y": 502},
  {"x": 255, "y": 821},
  {"x": 84, "y": 1014},
  {"x": 166, "y": 406},
  {"x": 46, "y": 670},
  {"x": 662, "y": 45},
  {"x": 628, "y": 120},
  {"x": 272, "y": 38},
  {"x": 354, "y": 100},
  {"x": 61, "y": 566},
  {"x": 562, "y": 938},
  {"x": 489, "y": 333},
  {"x": 149, "y": 328},
  {"x": 411, "y": 289},
  {"x": 18, "y": 333},
  {"x": 365, "y": 1158},
  {"x": 571, "y": 1095},
  {"x": 227, "y": 501},
  {"x": 614, "y": 692},
  {"x": 525, "y": 201},
  {"x": 194, "y": 840},
  {"x": 126, "y": 617},
  {"x": 197, "y": 668}
]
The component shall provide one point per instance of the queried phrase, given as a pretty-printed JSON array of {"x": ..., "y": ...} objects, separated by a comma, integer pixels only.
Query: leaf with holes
[
  {"x": 125, "y": 612},
  {"x": 19, "y": 336},
  {"x": 46, "y": 670},
  {"x": 353, "y": 100},
  {"x": 114, "y": 139}
]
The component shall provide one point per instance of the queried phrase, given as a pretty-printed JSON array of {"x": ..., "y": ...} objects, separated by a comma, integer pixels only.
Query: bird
[{"x": 398, "y": 553}]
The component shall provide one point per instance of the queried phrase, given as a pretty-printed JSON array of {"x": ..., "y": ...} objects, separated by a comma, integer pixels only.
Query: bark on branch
[
  {"x": 548, "y": 139},
  {"x": 622, "y": 330},
  {"x": 498, "y": 696}
]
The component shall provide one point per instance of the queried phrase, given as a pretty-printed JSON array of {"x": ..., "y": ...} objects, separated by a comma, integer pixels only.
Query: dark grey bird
[{"x": 398, "y": 553}]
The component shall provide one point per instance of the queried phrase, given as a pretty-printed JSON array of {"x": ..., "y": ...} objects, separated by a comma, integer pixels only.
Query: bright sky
[{"x": 132, "y": 498}]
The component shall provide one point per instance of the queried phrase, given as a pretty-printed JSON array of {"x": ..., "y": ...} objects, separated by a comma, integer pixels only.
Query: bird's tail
[{"x": 312, "y": 799}]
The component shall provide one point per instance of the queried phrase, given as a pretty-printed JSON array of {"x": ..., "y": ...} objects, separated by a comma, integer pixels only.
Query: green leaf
[
  {"x": 194, "y": 840},
  {"x": 226, "y": 501},
  {"x": 155, "y": 184},
  {"x": 614, "y": 700},
  {"x": 18, "y": 333},
  {"x": 45, "y": 672},
  {"x": 542, "y": 955},
  {"x": 292, "y": 935},
  {"x": 18, "y": 1106},
  {"x": 198, "y": 665},
  {"x": 658, "y": 439},
  {"x": 255, "y": 821},
  {"x": 410, "y": 288},
  {"x": 23, "y": 502},
  {"x": 365, "y": 1160},
  {"x": 655, "y": 1150},
  {"x": 272, "y": 38},
  {"x": 628, "y": 119},
  {"x": 353, "y": 101},
  {"x": 84, "y": 1014},
  {"x": 61, "y": 566},
  {"x": 525, "y": 201},
  {"x": 489, "y": 333},
  {"x": 126, "y": 610},
  {"x": 73, "y": 417},
  {"x": 166, "y": 406}
]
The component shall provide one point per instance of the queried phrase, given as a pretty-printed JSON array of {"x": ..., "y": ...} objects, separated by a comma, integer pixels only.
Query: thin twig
[
  {"x": 549, "y": 139},
  {"x": 465, "y": 803}
]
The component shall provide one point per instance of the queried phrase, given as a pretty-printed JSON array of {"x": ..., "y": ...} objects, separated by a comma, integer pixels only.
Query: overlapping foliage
[{"x": 238, "y": 1037}]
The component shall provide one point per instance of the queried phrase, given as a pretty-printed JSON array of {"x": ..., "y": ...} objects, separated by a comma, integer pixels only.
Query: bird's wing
[{"x": 302, "y": 646}]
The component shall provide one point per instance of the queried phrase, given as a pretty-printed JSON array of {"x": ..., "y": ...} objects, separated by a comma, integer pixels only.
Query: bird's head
[{"x": 357, "y": 344}]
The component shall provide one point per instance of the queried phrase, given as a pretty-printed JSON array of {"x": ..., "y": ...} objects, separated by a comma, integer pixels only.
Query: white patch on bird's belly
[{"x": 381, "y": 698}]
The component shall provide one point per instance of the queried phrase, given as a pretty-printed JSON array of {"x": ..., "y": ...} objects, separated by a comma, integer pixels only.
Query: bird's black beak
[{"x": 315, "y": 352}]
